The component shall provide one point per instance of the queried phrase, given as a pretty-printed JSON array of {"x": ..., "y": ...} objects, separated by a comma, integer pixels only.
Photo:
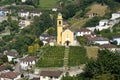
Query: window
[{"x": 59, "y": 22}]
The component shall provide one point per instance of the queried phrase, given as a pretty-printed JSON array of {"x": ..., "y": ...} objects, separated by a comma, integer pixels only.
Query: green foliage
[
  {"x": 106, "y": 63},
  {"x": 9, "y": 68},
  {"x": 77, "y": 56},
  {"x": 47, "y": 4},
  {"x": 51, "y": 31},
  {"x": 39, "y": 25},
  {"x": 82, "y": 40},
  {"x": 21, "y": 43},
  {"x": 6, "y": 2},
  {"x": 68, "y": 78},
  {"x": 115, "y": 31},
  {"x": 4, "y": 58},
  {"x": 52, "y": 56},
  {"x": 92, "y": 22}
]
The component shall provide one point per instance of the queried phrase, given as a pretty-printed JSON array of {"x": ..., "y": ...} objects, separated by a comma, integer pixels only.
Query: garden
[
  {"x": 52, "y": 56},
  {"x": 77, "y": 56}
]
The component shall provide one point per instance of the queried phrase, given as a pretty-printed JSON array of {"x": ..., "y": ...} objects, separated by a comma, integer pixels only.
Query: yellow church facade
[{"x": 64, "y": 36}]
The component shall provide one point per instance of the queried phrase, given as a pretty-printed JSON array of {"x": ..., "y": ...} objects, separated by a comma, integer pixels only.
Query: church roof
[
  {"x": 64, "y": 29},
  {"x": 59, "y": 14}
]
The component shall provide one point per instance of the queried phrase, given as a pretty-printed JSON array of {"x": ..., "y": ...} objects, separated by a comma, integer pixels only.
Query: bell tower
[{"x": 59, "y": 28}]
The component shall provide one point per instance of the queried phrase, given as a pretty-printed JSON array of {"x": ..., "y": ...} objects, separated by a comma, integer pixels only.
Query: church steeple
[{"x": 59, "y": 28}]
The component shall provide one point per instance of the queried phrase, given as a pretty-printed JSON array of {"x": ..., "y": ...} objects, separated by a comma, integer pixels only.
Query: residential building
[
  {"x": 10, "y": 76},
  {"x": 51, "y": 75},
  {"x": 11, "y": 55},
  {"x": 24, "y": 23},
  {"x": 98, "y": 40},
  {"x": 110, "y": 47},
  {"x": 4, "y": 12},
  {"x": 3, "y": 68},
  {"x": 116, "y": 15},
  {"x": 23, "y": 1},
  {"x": 24, "y": 14},
  {"x": 82, "y": 32},
  {"x": 27, "y": 62},
  {"x": 116, "y": 38},
  {"x": 35, "y": 13}
]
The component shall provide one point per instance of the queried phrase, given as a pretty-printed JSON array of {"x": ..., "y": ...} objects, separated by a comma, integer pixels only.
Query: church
[{"x": 65, "y": 37}]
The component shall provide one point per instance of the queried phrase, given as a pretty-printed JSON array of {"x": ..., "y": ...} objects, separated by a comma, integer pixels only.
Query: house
[
  {"x": 91, "y": 14},
  {"x": 51, "y": 75},
  {"x": 24, "y": 14},
  {"x": 113, "y": 22},
  {"x": 11, "y": 55},
  {"x": 3, "y": 68},
  {"x": 116, "y": 15},
  {"x": 24, "y": 23},
  {"x": 110, "y": 47},
  {"x": 35, "y": 13},
  {"x": 116, "y": 38},
  {"x": 82, "y": 32},
  {"x": 35, "y": 79},
  {"x": 54, "y": 9},
  {"x": 10, "y": 76},
  {"x": 27, "y": 62},
  {"x": 98, "y": 40},
  {"x": 4, "y": 12},
  {"x": 23, "y": 1},
  {"x": 103, "y": 24},
  {"x": 44, "y": 36}
]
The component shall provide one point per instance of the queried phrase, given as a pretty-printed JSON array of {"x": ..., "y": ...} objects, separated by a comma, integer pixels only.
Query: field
[
  {"x": 98, "y": 8},
  {"x": 48, "y": 4},
  {"x": 92, "y": 52},
  {"x": 77, "y": 56},
  {"x": 52, "y": 57}
]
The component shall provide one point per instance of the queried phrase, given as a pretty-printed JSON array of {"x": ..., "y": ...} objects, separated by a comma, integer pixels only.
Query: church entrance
[{"x": 67, "y": 42}]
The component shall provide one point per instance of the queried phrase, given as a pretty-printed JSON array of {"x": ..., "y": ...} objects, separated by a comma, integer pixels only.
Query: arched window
[{"x": 59, "y": 22}]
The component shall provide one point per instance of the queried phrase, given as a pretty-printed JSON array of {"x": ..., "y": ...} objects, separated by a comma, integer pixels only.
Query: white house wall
[
  {"x": 48, "y": 78},
  {"x": 26, "y": 65},
  {"x": 115, "y": 15},
  {"x": 118, "y": 40},
  {"x": 101, "y": 42},
  {"x": 10, "y": 58}
]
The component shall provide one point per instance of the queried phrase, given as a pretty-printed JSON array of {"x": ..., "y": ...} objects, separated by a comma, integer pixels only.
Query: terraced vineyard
[
  {"x": 52, "y": 57},
  {"x": 77, "y": 56}
]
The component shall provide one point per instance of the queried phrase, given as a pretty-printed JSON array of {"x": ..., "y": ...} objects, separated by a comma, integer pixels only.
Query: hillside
[
  {"x": 48, "y": 3},
  {"x": 98, "y": 8},
  {"x": 94, "y": 8}
]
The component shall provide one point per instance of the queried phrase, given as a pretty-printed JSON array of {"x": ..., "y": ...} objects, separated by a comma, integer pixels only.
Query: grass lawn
[
  {"x": 52, "y": 57},
  {"x": 92, "y": 52},
  {"x": 48, "y": 3},
  {"x": 79, "y": 23},
  {"x": 77, "y": 56}
]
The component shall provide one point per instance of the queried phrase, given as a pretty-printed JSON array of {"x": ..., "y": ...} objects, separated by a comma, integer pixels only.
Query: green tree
[
  {"x": 5, "y": 58},
  {"x": 82, "y": 40},
  {"x": 106, "y": 63}
]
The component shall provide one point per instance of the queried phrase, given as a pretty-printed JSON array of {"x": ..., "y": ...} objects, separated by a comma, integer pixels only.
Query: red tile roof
[
  {"x": 51, "y": 73},
  {"x": 9, "y": 75},
  {"x": 12, "y": 53},
  {"x": 3, "y": 67},
  {"x": 35, "y": 79},
  {"x": 98, "y": 39},
  {"x": 83, "y": 30},
  {"x": 28, "y": 59},
  {"x": 107, "y": 46}
]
